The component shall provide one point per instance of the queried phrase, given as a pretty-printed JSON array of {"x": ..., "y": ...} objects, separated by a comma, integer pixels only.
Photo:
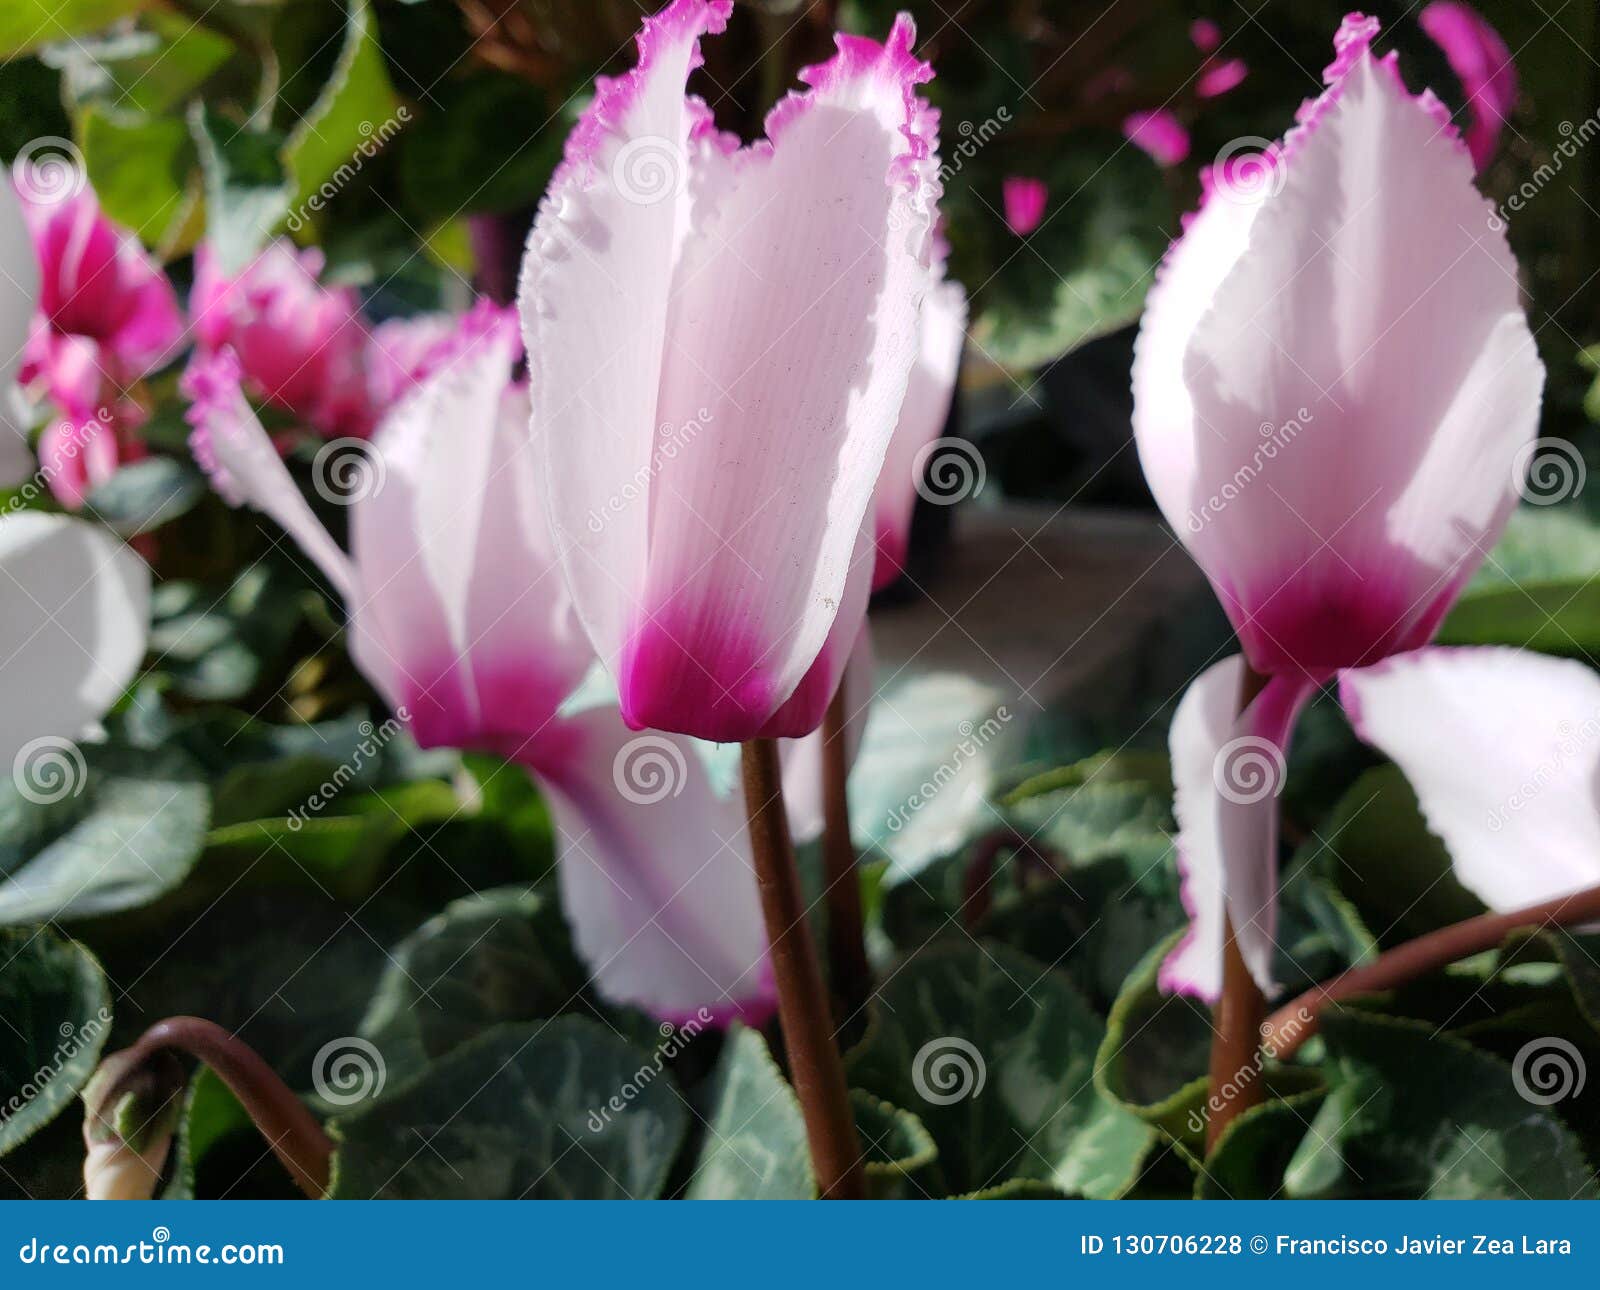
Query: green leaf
[
  {"x": 490, "y": 958},
  {"x": 1249, "y": 1160},
  {"x": 141, "y": 169},
  {"x": 149, "y": 70},
  {"x": 57, "y": 1008},
  {"x": 1385, "y": 862},
  {"x": 1538, "y": 588},
  {"x": 146, "y": 494},
  {"x": 27, "y": 24},
  {"x": 1413, "y": 1113},
  {"x": 247, "y": 189},
  {"x": 897, "y": 1146},
  {"x": 995, "y": 1054},
  {"x": 555, "y": 1110},
  {"x": 214, "y": 643},
  {"x": 755, "y": 1137},
  {"x": 220, "y": 1152},
  {"x": 106, "y": 828},
  {"x": 354, "y": 115}
]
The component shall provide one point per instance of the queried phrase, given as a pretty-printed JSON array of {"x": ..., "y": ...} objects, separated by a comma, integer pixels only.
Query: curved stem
[
  {"x": 289, "y": 1128},
  {"x": 1237, "y": 1018},
  {"x": 814, "y": 1063},
  {"x": 848, "y": 969},
  {"x": 1298, "y": 1020}
]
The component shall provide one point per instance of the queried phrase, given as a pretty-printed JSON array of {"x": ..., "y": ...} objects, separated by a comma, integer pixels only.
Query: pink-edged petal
[
  {"x": 802, "y": 758},
  {"x": 1219, "y": 78},
  {"x": 77, "y": 621},
  {"x": 1227, "y": 771},
  {"x": 793, "y": 333},
  {"x": 594, "y": 297},
  {"x": 1158, "y": 133},
  {"x": 232, "y": 446},
  {"x": 404, "y": 352},
  {"x": 19, "y": 281},
  {"x": 1359, "y": 386},
  {"x": 76, "y": 455},
  {"x": 1482, "y": 63},
  {"x": 932, "y": 387},
  {"x": 1024, "y": 198},
  {"x": 655, "y": 874},
  {"x": 1502, "y": 747}
]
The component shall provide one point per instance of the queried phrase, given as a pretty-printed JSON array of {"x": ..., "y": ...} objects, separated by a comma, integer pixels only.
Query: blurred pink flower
[
  {"x": 1024, "y": 198},
  {"x": 300, "y": 345},
  {"x": 79, "y": 453},
  {"x": 1484, "y": 65},
  {"x": 403, "y": 352},
  {"x": 106, "y": 313},
  {"x": 1332, "y": 384},
  {"x": 1158, "y": 133}
]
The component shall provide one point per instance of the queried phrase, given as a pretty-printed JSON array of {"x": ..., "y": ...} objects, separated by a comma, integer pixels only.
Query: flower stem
[
  {"x": 808, "y": 1035},
  {"x": 848, "y": 969},
  {"x": 289, "y": 1128},
  {"x": 1297, "y": 1021},
  {"x": 1241, "y": 1008}
]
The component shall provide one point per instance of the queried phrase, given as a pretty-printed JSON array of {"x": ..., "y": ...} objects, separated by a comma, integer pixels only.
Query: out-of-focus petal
[
  {"x": 1219, "y": 78},
  {"x": 1484, "y": 65},
  {"x": 1503, "y": 749},
  {"x": 75, "y": 630},
  {"x": 233, "y": 448},
  {"x": 1227, "y": 770},
  {"x": 923, "y": 415},
  {"x": 19, "y": 278},
  {"x": 656, "y": 876},
  {"x": 1158, "y": 133},
  {"x": 1024, "y": 198}
]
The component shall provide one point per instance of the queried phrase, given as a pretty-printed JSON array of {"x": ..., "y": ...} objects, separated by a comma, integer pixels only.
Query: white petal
[
  {"x": 1503, "y": 749},
  {"x": 75, "y": 628},
  {"x": 19, "y": 287}
]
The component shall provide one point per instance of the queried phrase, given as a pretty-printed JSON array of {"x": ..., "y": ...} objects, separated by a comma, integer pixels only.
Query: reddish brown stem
[
  {"x": 977, "y": 897},
  {"x": 1236, "y": 1021},
  {"x": 848, "y": 969},
  {"x": 289, "y": 1128},
  {"x": 808, "y": 1036},
  {"x": 1295, "y": 1022}
]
